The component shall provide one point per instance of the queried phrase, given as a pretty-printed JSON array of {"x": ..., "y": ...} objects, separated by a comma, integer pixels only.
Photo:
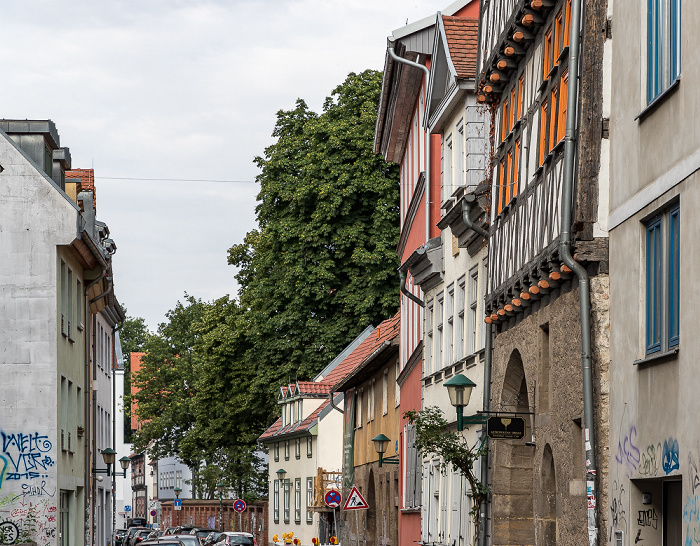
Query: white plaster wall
[
  {"x": 35, "y": 217},
  {"x": 122, "y": 485}
]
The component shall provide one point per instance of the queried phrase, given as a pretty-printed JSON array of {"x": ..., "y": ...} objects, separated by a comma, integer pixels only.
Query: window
[
  {"x": 412, "y": 491},
  {"x": 299, "y": 414},
  {"x": 63, "y": 298},
  {"x": 297, "y": 448},
  {"x": 358, "y": 409},
  {"x": 473, "y": 304},
  {"x": 459, "y": 328},
  {"x": 663, "y": 45},
  {"x": 445, "y": 187},
  {"x": 297, "y": 500},
  {"x": 449, "y": 330},
  {"x": 385, "y": 393},
  {"x": 370, "y": 401},
  {"x": 277, "y": 451},
  {"x": 276, "y": 496},
  {"x": 69, "y": 303},
  {"x": 178, "y": 479},
  {"x": 309, "y": 446},
  {"x": 428, "y": 348},
  {"x": 64, "y": 414},
  {"x": 459, "y": 154},
  {"x": 287, "y": 493},
  {"x": 79, "y": 305},
  {"x": 286, "y": 450},
  {"x": 662, "y": 280},
  {"x": 309, "y": 499},
  {"x": 439, "y": 338}
]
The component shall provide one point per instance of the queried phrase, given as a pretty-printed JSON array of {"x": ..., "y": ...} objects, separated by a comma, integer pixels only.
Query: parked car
[
  {"x": 119, "y": 535},
  {"x": 131, "y": 533},
  {"x": 213, "y": 538},
  {"x": 141, "y": 536},
  {"x": 162, "y": 541},
  {"x": 238, "y": 538},
  {"x": 189, "y": 540},
  {"x": 202, "y": 532}
]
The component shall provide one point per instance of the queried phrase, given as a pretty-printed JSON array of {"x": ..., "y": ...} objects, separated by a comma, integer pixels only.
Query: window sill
[
  {"x": 410, "y": 510},
  {"x": 657, "y": 358},
  {"x": 658, "y": 100}
]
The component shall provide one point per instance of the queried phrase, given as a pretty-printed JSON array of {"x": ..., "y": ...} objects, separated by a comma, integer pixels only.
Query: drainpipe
[
  {"x": 330, "y": 396},
  {"x": 484, "y": 478},
  {"x": 466, "y": 202},
  {"x": 405, "y": 292},
  {"x": 425, "y": 70},
  {"x": 105, "y": 293},
  {"x": 578, "y": 269}
]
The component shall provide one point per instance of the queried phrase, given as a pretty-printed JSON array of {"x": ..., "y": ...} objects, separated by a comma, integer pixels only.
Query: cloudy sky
[{"x": 181, "y": 90}]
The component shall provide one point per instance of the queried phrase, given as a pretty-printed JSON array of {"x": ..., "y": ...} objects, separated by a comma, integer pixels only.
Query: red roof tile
[
  {"x": 310, "y": 387},
  {"x": 386, "y": 331},
  {"x": 462, "y": 36}
]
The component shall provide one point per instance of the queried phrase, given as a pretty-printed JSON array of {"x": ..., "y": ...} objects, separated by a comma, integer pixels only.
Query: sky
[{"x": 183, "y": 91}]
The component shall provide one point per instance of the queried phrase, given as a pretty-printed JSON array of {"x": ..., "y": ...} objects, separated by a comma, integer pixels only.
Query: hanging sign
[
  {"x": 505, "y": 428},
  {"x": 355, "y": 501}
]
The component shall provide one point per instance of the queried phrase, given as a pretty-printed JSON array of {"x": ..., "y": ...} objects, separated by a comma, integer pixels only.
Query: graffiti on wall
[{"x": 27, "y": 488}]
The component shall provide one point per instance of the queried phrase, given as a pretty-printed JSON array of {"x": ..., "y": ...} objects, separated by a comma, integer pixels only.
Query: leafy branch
[{"x": 433, "y": 437}]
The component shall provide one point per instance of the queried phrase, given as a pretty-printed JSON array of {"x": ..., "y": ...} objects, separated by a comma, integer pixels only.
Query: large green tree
[{"x": 322, "y": 264}]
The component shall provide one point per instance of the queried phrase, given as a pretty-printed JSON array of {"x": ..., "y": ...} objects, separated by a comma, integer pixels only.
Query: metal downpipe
[
  {"x": 468, "y": 221},
  {"x": 583, "y": 280},
  {"x": 484, "y": 478},
  {"x": 425, "y": 70},
  {"x": 406, "y": 292}
]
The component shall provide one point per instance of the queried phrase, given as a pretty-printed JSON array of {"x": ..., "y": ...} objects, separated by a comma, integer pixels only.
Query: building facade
[
  {"x": 653, "y": 458},
  {"x": 541, "y": 71}
]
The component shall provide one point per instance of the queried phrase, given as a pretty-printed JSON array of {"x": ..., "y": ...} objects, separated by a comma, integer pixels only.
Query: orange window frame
[
  {"x": 501, "y": 186},
  {"x": 547, "y": 62},
  {"x": 543, "y": 131},
  {"x": 552, "y": 126},
  {"x": 509, "y": 188},
  {"x": 504, "y": 120},
  {"x": 521, "y": 84},
  {"x": 513, "y": 109},
  {"x": 557, "y": 34},
  {"x": 563, "y": 103},
  {"x": 516, "y": 167},
  {"x": 567, "y": 25}
]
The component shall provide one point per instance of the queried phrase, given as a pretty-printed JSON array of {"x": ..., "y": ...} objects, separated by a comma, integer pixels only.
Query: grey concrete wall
[{"x": 35, "y": 218}]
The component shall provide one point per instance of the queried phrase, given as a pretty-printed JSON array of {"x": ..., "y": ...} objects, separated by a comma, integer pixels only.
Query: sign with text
[{"x": 505, "y": 428}]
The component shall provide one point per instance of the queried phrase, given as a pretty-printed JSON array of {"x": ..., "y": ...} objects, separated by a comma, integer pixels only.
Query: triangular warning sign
[{"x": 355, "y": 501}]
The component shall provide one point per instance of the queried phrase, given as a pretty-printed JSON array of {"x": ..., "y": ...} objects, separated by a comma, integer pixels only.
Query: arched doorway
[
  {"x": 513, "y": 467},
  {"x": 547, "y": 510},
  {"x": 371, "y": 529}
]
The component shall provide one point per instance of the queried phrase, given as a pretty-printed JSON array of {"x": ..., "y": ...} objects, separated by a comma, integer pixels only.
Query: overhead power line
[{"x": 175, "y": 179}]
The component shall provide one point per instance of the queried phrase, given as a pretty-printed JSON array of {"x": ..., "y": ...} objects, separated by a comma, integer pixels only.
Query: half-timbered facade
[{"x": 542, "y": 485}]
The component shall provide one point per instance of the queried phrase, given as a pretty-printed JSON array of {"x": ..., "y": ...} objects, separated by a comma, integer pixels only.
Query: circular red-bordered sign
[
  {"x": 239, "y": 505},
  {"x": 333, "y": 498}
]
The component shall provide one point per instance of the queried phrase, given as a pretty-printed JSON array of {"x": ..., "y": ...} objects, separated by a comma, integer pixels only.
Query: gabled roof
[
  {"x": 385, "y": 332},
  {"x": 453, "y": 68},
  {"x": 462, "y": 35}
]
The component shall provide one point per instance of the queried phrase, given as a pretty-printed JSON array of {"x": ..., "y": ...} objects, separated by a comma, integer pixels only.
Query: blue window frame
[
  {"x": 662, "y": 288},
  {"x": 663, "y": 45}
]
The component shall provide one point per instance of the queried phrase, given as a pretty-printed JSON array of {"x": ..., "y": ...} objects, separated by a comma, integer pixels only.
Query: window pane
[
  {"x": 673, "y": 276},
  {"x": 653, "y": 287}
]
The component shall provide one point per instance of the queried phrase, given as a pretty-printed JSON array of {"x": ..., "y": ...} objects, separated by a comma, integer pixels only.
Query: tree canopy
[{"x": 320, "y": 268}]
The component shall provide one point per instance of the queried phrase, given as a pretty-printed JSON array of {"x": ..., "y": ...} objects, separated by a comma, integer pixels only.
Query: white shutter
[{"x": 455, "y": 538}]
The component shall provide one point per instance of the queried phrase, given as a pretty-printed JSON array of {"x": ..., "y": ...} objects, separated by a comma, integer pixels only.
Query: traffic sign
[
  {"x": 177, "y": 504},
  {"x": 355, "y": 501},
  {"x": 239, "y": 505},
  {"x": 153, "y": 512},
  {"x": 332, "y": 498},
  {"x": 127, "y": 508}
]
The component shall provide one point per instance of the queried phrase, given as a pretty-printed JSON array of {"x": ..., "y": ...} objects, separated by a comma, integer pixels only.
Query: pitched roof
[
  {"x": 386, "y": 331},
  {"x": 462, "y": 36}
]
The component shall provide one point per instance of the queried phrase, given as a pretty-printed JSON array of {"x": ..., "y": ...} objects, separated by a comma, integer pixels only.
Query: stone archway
[
  {"x": 513, "y": 465},
  {"x": 371, "y": 529},
  {"x": 547, "y": 509}
]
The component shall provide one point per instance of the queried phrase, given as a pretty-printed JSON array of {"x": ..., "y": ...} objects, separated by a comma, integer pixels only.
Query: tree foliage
[
  {"x": 319, "y": 268},
  {"x": 433, "y": 437},
  {"x": 322, "y": 264}
]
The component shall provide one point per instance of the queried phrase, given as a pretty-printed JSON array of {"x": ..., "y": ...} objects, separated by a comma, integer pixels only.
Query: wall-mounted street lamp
[
  {"x": 108, "y": 456},
  {"x": 220, "y": 488},
  {"x": 177, "y": 491},
  {"x": 281, "y": 473},
  {"x": 460, "y": 390},
  {"x": 380, "y": 444}
]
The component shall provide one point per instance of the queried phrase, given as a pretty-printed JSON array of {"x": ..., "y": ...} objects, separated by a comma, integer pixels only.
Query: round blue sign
[
  {"x": 333, "y": 498},
  {"x": 239, "y": 505}
]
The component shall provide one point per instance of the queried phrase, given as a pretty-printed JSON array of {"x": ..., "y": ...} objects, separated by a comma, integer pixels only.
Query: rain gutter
[{"x": 565, "y": 254}]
